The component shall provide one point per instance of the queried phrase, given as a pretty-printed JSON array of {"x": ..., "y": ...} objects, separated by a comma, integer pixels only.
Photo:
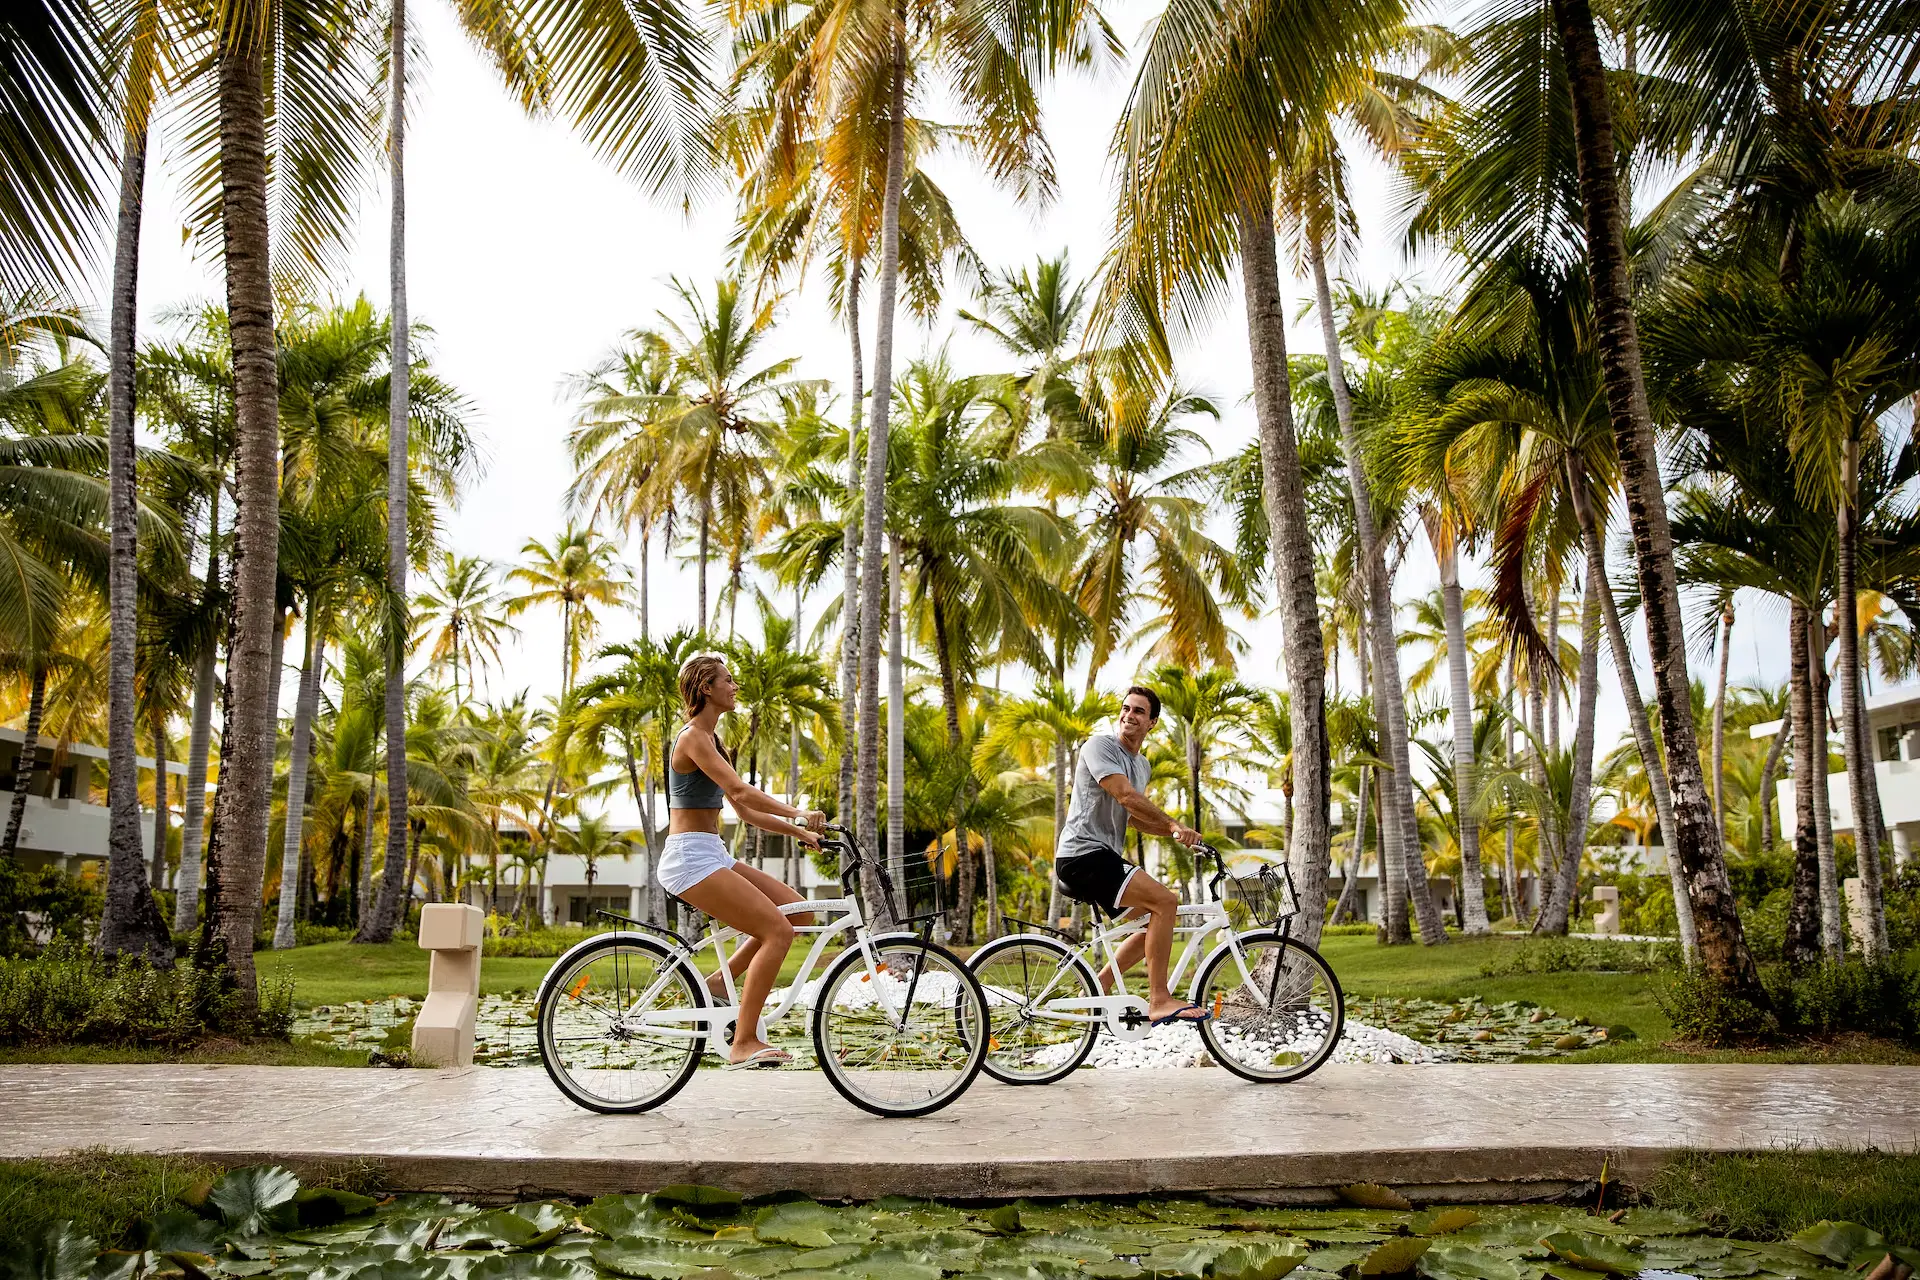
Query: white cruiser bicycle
[
  {"x": 624, "y": 1018},
  {"x": 1277, "y": 1007}
]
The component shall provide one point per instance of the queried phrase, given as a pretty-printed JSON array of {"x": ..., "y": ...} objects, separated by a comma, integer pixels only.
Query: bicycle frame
[
  {"x": 713, "y": 1019},
  {"x": 1210, "y": 918}
]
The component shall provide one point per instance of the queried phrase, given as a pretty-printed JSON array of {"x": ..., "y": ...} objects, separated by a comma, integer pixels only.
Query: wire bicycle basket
[
  {"x": 853, "y": 858},
  {"x": 1265, "y": 898}
]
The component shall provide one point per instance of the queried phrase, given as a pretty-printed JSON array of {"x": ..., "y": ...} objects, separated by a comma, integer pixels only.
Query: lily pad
[
  {"x": 1371, "y": 1195},
  {"x": 1661, "y": 1222},
  {"x": 1838, "y": 1241},
  {"x": 528, "y": 1266},
  {"x": 1394, "y": 1257},
  {"x": 1449, "y": 1261},
  {"x": 891, "y": 1264},
  {"x": 324, "y": 1206},
  {"x": 255, "y": 1200},
  {"x": 58, "y": 1252},
  {"x": 707, "y": 1202},
  {"x": 652, "y": 1259},
  {"x": 810, "y": 1225},
  {"x": 830, "y": 1258},
  {"x": 1593, "y": 1253},
  {"x": 1441, "y": 1222},
  {"x": 1005, "y": 1219},
  {"x": 526, "y": 1226}
]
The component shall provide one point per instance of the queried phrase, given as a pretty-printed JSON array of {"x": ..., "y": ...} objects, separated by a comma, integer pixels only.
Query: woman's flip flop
[
  {"x": 763, "y": 1059},
  {"x": 1177, "y": 1016}
]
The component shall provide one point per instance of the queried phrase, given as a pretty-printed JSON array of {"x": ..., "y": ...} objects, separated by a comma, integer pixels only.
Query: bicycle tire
[
  {"x": 579, "y": 963},
  {"x": 1239, "y": 1050},
  {"x": 844, "y": 1053},
  {"x": 1000, "y": 1035}
]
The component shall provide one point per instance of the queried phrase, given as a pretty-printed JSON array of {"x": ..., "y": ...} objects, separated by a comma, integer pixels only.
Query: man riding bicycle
[{"x": 1109, "y": 793}]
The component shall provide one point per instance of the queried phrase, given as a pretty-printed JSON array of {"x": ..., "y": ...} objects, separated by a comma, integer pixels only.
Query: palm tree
[
  {"x": 1206, "y": 710},
  {"x": 1220, "y": 97},
  {"x": 464, "y": 613},
  {"x": 57, "y": 86},
  {"x": 1139, "y": 510},
  {"x": 975, "y": 559},
  {"x": 1058, "y": 720},
  {"x": 592, "y": 840},
  {"x": 578, "y": 572},
  {"x": 782, "y": 686}
]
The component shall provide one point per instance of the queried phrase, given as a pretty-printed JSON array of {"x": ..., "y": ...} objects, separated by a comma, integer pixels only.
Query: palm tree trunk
[
  {"x": 1867, "y": 819},
  {"x": 299, "y": 754},
  {"x": 1557, "y": 915},
  {"x": 1389, "y": 694},
  {"x": 643, "y": 802},
  {"x": 162, "y": 815},
  {"x": 1832, "y": 927},
  {"x": 416, "y": 831},
  {"x": 873, "y": 585},
  {"x": 395, "y": 887},
  {"x": 1516, "y": 905},
  {"x": 993, "y": 885},
  {"x": 1693, "y": 839},
  {"x": 363, "y": 860},
  {"x": 646, "y": 565},
  {"x": 1804, "y": 925},
  {"x": 237, "y": 855},
  {"x": 28, "y": 761},
  {"x": 1768, "y": 772},
  {"x": 1720, "y": 725},
  {"x": 1283, "y": 493},
  {"x": 950, "y": 697},
  {"x": 1059, "y": 823},
  {"x": 131, "y": 923},
  {"x": 851, "y": 540},
  {"x": 706, "y": 550},
  {"x": 896, "y": 736},
  {"x": 186, "y": 885},
  {"x": 1460, "y": 691},
  {"x": 1596, "y": 551}
]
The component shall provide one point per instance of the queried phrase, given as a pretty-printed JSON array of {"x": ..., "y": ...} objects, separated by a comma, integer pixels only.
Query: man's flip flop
[
  {"x": 1178, "y": 1015},
  {"x": 763, "y": 1059}
]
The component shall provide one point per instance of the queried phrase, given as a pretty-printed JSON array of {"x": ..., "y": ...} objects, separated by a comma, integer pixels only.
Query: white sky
[{"x": 529, "y": 259}]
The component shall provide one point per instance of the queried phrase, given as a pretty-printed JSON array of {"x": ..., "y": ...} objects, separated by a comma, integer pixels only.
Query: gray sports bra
[{"x": 693, "y": 790}]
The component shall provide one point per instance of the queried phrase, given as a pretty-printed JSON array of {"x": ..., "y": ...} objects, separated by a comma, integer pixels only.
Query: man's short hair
[{"x": 1153, "y": 699}]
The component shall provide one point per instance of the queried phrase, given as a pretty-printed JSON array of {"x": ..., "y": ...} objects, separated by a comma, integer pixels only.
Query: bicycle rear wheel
[
  {"x": 902, "y": 1033},
  {"x": 1019, "y": 976},
  {"x": 1278, "y": 1009},
  {"x": 616, "y": 1027}
]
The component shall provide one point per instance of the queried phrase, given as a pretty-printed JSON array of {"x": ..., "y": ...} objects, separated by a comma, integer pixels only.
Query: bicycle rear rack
[{"x": 648, "y": 925}]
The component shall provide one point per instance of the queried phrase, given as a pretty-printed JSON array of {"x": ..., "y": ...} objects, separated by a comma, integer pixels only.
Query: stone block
[
  {"x": 443, "y": 1033},
  {"x": 1608, "y": 922}
]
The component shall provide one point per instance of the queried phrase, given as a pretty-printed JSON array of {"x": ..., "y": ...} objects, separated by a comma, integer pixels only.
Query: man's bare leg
[
  {"x": 1126, "y": 956},
  {"x": 1144, "y": 893}
]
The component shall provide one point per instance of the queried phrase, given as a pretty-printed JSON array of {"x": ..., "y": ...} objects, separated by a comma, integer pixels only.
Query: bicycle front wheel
[
  {"x": 1020, "y": 976},
  {"x": 1278, "y": 1009},
  {"x": 900, "y": 1026},
  {"x": 618, "y": 1026}
]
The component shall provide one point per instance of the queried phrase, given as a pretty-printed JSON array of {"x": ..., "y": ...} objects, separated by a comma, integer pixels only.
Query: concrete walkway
[{"x": 1439, "y": 1132}]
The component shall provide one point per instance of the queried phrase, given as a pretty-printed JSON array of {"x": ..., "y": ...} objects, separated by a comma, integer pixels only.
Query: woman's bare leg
[
  {"x": 738, "y": 903},
  {"x": 779, "y": 893}
]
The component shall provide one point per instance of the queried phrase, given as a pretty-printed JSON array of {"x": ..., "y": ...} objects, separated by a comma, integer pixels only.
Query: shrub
[
  {"x": 1903, "y": 909},
  {"x": 1850, "y": 995},
  {"x": 53, "y": 902},
  {"x": 1704, "y": 1010},
  {"x": 538, "y": 943},
  {"x": 70, "y": 995}
]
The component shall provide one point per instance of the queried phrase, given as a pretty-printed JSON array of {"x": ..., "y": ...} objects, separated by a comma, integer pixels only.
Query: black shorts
[{"x": 1098, "y": 878}]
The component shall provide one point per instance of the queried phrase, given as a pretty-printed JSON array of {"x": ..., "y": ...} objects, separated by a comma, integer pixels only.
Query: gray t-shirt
[{"x": 1095, "y": 820}]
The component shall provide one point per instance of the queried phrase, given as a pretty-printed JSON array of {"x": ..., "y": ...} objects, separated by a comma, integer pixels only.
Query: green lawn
[{"x": 252, "y": 1053}]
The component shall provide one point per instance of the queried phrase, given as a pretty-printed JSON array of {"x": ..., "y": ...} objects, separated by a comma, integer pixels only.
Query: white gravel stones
[{"x": 1174, "y": 1046}]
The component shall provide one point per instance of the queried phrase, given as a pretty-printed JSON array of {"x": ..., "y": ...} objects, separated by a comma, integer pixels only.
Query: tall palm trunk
[
  {"x": 395, "y": 887},
  {"x": 1390, "y": 695},
  {"x": 1558, "y": 914},
  {"x": 1832, "y": 926},
  {"x": 1719, "y": 778},
  {"x": 1060, "y": 759},
  {"x": 1465, "y": 776},
  {"x": 299, "y": 754},
  {"x": 162, "y": 814},
  {"x": 896, "y": 737},
  {"x": 1803, "y": 940},
  {"x": 643, "y": 800},
  {"x": 646, "y": 567},
  {"x": 186, "y": 885},
  {"x": 1693, "y": 838},
  {"x": 962, "y": 847},
  {"x": 237, "y": 855},
  {"x": 706, "y": 546},
  {"x": 850, "y": 543},
  {"x": 873, "y": 586},
  {"x": 1867, "y": 819},
  {"x": 1516, "y": 904},
  {"x": 1283, "y": 493},
  {"x": 1596, "y": 552},
  {"x": 28, "y": 761},
  {"x": 131, "y": 923}
]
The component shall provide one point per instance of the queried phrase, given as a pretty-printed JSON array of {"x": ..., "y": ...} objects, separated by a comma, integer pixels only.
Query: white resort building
[
  {"x": 66, "y": 816},
  {"x": 1893, "y": 717}
]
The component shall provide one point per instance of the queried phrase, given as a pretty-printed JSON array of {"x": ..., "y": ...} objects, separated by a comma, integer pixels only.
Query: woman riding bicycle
[{"x": 696, "y": 867}]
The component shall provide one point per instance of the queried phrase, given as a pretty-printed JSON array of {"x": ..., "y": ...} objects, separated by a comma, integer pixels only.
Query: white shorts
[{"x": 690, "y": 857}]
